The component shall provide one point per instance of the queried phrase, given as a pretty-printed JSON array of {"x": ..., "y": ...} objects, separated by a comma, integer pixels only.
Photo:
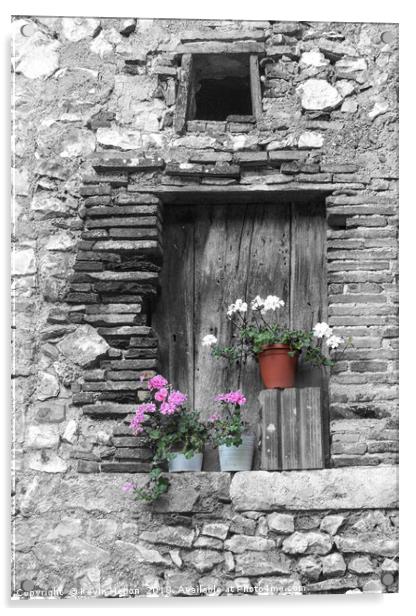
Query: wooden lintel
[{"x": 235, "y": 193}]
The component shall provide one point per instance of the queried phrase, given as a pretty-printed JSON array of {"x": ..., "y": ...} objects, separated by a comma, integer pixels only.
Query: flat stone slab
[{"x": 334, "y": 488}]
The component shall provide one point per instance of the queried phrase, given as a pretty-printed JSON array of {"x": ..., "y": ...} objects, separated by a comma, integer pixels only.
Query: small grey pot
[
  {"x": 237, "y": 458},
  {"x": 180, "y": 464}
]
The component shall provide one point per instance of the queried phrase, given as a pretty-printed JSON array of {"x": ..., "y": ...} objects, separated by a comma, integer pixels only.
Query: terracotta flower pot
[{"x": 277, "y": 367}]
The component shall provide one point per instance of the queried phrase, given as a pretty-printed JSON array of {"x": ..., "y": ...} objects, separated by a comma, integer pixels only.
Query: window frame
[{"x": 184, "y": 90}]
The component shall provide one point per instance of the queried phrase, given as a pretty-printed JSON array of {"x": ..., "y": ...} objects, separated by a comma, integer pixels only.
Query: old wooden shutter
[{"x": 216, "y": 253}]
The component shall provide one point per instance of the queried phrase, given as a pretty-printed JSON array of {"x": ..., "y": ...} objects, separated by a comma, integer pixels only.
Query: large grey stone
[
  {"x": 308, "y": 139},
  {"x": 208, "y": 542},
  {"x": 51, "y": 207},
  {"x": 281, "y": 523},
  {"x": 334, "y": 584},
  {"x": 318, "y": 95},
  {"x": 333, "y": 565},
  {"x": 203, "y": 560},
  {"x": 123, "y": 138},
  {"x": 83, "y": 346},
  {"x": 262, "y": 563},
  {"x": 295, "y": 544},
  {"x": 367, "y": 543},
  {"x": 131, "y": 553},
  {"x": 318, "y": 543},
  {"x": 24, "y": 262},
  {"x": 42, "y": 436},
  {"x": 181, "y": 584},
  {"x": 52, "y": 411},
  {"x": 360, "y": 565},
  {"x": 338, "y": 488},
  {"x": 215, "y": 529},
  {"x": 194, "y": 492},
  {"x": 35, "y": 55},
  {"x": 170, "y": 535},
  {"x": 243, "y": 543},
  {"x": 47, "y": 386},
  {"x": 310, "y": 567},
  {"x": 279, "y": 586},
  {"x": 75, "y": 29},
  {"x": 331, "y": 523},
  {"x": 47, "y": 462}
]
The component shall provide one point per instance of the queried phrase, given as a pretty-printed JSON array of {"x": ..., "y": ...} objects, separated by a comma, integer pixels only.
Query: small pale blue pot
[
  {"x": 237, "y": 458},
  {"x": 180, "y": 464}
]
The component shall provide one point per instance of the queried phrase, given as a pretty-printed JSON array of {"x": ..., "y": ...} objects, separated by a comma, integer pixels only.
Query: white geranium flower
[
  {"x": 257, "y": 303},
  {"x": 230, "y": 310},
  {"x": 334, "y": 341},
  {"x": 238, "y": 306},
  {"x": 272, "y": 302},
  {"x": 209, "y": 340},
  {"x": 322, "y": 329}
]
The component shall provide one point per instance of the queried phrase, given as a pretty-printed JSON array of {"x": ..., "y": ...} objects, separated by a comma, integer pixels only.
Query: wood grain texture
[
  {"x": 256, "y": 100},
  {"x": 215, "y": 254},
  {"x": 292, "y": 434},
  {"x": 182, "y": 98}
]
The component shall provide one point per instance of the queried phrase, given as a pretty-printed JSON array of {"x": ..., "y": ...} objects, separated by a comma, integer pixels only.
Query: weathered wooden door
[{"x": 214, "y": 254}]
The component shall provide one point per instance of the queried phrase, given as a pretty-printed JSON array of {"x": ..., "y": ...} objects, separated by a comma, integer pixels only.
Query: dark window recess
[
  {"x": 220, "y": 86},
  {"x": 218, "y": 98}
]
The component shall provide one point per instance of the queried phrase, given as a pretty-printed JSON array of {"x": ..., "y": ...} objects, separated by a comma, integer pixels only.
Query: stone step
[
  {"x": 95, "y": 189},
  {"x": 124, "y": 210},
  {"x": 126, "y": 364},
  {"x": 93, "y": 386},
  {"x": 115, "y": 180},
  {"x": 114, "y": 309},
  {"x": 113, "y": 275},
  {"x": 120, "y": 221},
  {"x": 130, "y": 441},
  {"x": 122, "y": 161},
  {"x": 140, "y": 246},
  {"x": 134, "y": 233},
  {"x": 125, "y": 467},
  {"x": 134, "y": 330},
  {"x": 108, "y": 409},
  {"x": 145, "y": 353},
  {"x": 131, "y": 198},
  {"x": 133, "y": 453}
]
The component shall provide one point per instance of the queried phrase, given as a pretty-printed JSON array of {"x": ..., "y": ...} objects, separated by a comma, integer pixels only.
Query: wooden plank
[
  {"x": 291, "y": 426},
  {"x": 256, "y": 101},
  {"x": 308, "y": 286},
  {"x": 239, "y": 253},
  {"x": 182, "y": 98},
  {"x": 172, "y": 318},
  {"x": 288, "y": 429},
  {"x": 310, "y": 423},
  {"x": 269, "y": 456}
]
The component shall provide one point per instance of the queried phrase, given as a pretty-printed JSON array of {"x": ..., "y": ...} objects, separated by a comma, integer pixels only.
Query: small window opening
[{"x": 220, "y": 87}]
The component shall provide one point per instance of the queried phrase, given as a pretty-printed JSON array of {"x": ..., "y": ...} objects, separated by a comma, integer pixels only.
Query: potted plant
[
  {"x": 187, "y": 436},
  {"x": 277, "y": 348},
  {"x": 175, "y": 436},
  {"x": 229, "y": 433}
]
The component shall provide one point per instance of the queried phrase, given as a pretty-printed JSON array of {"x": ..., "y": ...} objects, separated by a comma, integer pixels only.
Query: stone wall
[
  {"x": 80, "y": 537},
  {"x": 96, "y": 156}
]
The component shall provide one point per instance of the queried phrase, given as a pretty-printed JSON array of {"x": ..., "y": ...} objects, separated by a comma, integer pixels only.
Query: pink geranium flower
[
  {"x": 142, "y": 409},
  {"x": 177, "y": 398},
  {"x": 161, "y": 394},
  {"x": 167, "y": 408},
  {"x": 214, "y": 417},
  {"x": 157, "y": 382},
  {"x": 232, "y": 397}
]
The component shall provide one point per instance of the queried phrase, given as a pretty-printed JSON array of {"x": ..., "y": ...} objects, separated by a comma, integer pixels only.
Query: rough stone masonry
[{"x": 100, "y": 142}]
